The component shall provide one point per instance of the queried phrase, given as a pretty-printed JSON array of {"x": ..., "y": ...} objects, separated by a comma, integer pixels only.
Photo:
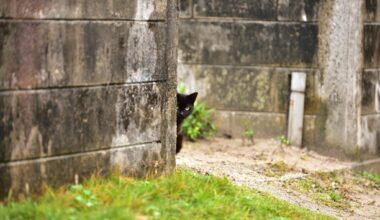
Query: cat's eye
[{"x": 187, "y": 109}]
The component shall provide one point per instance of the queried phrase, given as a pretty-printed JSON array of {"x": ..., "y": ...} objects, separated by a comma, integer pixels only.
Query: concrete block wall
[
  {"x": 370, "y": 115},
  {"x": 239, "y": 54},
  {"x": 85, "y": 86}
]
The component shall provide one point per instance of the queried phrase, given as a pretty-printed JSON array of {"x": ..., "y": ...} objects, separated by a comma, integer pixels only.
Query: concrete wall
[
  {"x": 85, "y": 86},
  {"x": 370, "y": 115},
  {"x": 239, "y": 54}
]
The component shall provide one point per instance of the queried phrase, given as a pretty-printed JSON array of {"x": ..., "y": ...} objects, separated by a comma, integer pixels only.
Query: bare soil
[{"x": 301, "y": 177}]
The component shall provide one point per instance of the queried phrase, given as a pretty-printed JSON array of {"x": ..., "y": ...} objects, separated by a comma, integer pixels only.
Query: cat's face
[{"x": 185, "y": 105}]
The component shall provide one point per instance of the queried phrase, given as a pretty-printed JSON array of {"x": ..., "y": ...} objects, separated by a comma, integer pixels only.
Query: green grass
[{"x": 183, "y": 195}]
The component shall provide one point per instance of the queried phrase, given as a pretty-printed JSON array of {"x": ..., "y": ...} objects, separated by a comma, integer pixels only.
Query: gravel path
[{"x": 256, "y": 166}]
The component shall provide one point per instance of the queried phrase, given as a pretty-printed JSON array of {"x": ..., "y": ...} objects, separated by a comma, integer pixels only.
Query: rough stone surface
[
  {"x": 247, "y": 88},
  {"x": 231, "y": 43},
  {"x": 169, "y": 99},
  {"x": 248, "y": 9},
  {"x": 40, "y": 54},
  {"x": 84, "y": 9},
  {"x": 370, "y": 84},
  {"x": 308, "y": 135},
  {"x": 29, "y": 177},
  {"x": 85, "y": 86},
  {"x": 265, "y": 125},
  {"x": 281, "y": 90},
  {"x": 372, "y": 10},
  {"x": 370, "y": 92},
  {"x": 55, "y": 122},
  {"x": 298, "y": 10},
  {"x": 370, "y": 133},
  {"x": 230, "y": 88},
  {"x": 372, "y": 46},
  {"x": 340, "y": 60},
  {"x": 185, "y": 8}
]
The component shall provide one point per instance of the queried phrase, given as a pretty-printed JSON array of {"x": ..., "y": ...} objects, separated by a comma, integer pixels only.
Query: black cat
[{"x": 185, "y": 105}]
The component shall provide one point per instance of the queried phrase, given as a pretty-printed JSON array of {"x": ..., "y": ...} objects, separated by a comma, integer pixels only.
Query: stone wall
[
  {"x": 370, "y": 115},
  {"x": 239, "y": 56},
  {"x": 85, "y": 86}
]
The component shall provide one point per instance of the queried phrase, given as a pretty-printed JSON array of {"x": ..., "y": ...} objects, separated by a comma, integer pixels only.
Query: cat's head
[{"x": 185, "y": 104}]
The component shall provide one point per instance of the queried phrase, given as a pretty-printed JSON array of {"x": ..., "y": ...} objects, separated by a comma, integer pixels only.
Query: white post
[{"x": 296, "y": 108}]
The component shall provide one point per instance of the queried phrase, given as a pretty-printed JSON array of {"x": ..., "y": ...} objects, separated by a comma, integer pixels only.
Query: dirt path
[{"x": 298, "y": 176}]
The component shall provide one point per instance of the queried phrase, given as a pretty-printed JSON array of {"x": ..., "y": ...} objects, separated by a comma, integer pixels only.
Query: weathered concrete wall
[
  {"x": 340, "y": 59},
  {"x": 370, "y": 115},
  {"x": 239, "y": 55},
  {"x": 85, "y": 86}
]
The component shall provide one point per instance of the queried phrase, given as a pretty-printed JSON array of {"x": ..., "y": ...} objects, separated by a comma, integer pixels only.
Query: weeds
[
  {"x": 249, "y": 134},
  {"x": 283, "y": 139},
  {"x": 278, "y": 168},
  {"x": 83, "y": 197}
]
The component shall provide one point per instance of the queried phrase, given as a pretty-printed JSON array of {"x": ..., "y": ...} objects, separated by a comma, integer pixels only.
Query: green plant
[
  {"x": 182, "y": 88},
  {"x": 249, "y": 134},
  {"x": 83, "y": 197},
  {"x": 336, "y": 197},
  {"x": 283, "y": 139},
  {"x": 198, "y": 124}
]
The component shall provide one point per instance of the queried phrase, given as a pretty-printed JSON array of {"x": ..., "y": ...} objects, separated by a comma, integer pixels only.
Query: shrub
[{"x": 198, "y": 124}]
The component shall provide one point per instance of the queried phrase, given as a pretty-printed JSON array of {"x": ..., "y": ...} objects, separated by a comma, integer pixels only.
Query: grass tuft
[
  {"x": 183, "y": 195},
  {"x": 278, "y": 168}
]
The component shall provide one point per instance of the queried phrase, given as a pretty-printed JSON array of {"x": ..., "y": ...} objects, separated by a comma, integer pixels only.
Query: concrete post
[{"x": 341, "y": 61}]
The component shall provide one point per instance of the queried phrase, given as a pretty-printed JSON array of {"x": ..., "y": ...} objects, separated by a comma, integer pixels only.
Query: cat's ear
[
  {"x": 179, "y": 97},
  {"x": 192, "y": 97}
]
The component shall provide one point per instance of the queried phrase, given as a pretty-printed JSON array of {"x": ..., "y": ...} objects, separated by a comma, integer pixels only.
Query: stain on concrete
[
  {"x": 372, "y": 10},
  {"x": 80, "y": 53},
  {"x": 298, "y": 10},
  {"x": 56, "y": 122},
  {"x": 245, "y": 9},
  {"x": 246, "y": 43},
  {"x": 372, "y": 46},
  {"x": 370, "y": 133},
  {"x": 79, "y": 9}
]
